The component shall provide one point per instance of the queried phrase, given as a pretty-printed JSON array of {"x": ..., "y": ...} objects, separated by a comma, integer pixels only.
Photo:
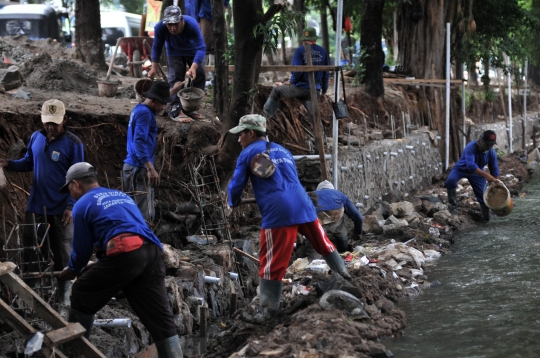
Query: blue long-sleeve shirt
[
  {"x": 331, "y": 199},
  {"x": 189, "y": 43},
  {"x": 200, "y": 8},
  {"x": 141, "y": 136},
  {"x": 281, "y": 198},
  {"x": 98, "y": 216},
  {"x": 319, "y": 57},
  {"x": 472, "y": 158},
  {"x": 50, "y": 163}
]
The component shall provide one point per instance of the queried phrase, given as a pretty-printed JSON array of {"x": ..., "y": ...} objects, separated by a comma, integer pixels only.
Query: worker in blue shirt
[
  {"x": 331, "y": 205},
  {"x": 475, "y": 157},
  {"x": 201, "y": 10},
  {"x": 50, "y": 153},
  {"x": 129, "y": 255},
  {"x": 285, "y": 207},
  {"x": 139, "y": 175},
  {"x": 185, "y": 46},
  {"x": 299, "y": 81}
]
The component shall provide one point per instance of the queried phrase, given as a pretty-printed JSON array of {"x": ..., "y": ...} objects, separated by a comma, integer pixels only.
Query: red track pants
[{"x": 277, "y": 245}]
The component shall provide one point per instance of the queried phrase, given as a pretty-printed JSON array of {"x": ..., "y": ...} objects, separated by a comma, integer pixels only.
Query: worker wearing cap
[
  {"x": 285, "y": 207},
  {"x": 130, "y": 259},
  {"x": 185, "y": 46},
  {"x": 139, "y": 175},
  {"x": 299, "y": 81},
  {"x": 331, "y": 204},
  {"x": 475, "y": 157},
  {"x": 50, "y": 153}
]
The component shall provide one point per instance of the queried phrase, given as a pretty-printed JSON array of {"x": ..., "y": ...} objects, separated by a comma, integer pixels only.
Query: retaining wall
[{"x": 369, "y": 173}]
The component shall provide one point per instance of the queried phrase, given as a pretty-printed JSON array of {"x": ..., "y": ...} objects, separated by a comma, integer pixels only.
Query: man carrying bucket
[
  {"x": 475, "y": 157},
  {"x": 185, "y": 46}
]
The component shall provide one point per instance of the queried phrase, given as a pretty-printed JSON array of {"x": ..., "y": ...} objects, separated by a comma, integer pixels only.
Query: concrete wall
[
  {"x": 503, "y": 133},
  {"x": 387, "y": 167},
  {"x": 368, "y": 173}
]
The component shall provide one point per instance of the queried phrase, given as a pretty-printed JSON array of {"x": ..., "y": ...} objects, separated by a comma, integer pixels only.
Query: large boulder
[
  {"x": 10, "y": 77},
  {"x": 372, "y": 225},
  {"x": 401, "y": 209}
]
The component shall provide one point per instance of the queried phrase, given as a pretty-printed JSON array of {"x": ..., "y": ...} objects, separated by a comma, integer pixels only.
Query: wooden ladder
[{"x": 70, "y": 335}]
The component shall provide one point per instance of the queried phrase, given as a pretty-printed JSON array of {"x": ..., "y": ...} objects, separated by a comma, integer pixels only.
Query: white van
[{"x": 115, "y": 24}]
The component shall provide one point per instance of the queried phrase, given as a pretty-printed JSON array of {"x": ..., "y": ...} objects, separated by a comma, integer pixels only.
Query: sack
[
  {"x": 340, "y": 108},
  {"x": 262, "y": 165},
  {"x": 123, "y": 243}
]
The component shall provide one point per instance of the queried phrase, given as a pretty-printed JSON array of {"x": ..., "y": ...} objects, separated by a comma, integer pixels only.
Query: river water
[{"x": 488, "y": 303}]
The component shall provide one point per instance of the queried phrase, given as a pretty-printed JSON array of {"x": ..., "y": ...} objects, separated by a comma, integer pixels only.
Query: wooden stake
[
  {"x": 316, "y": 114},
  {"x": 203, "y": 314}
]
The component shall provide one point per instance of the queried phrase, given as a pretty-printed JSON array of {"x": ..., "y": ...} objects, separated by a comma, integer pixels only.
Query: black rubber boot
[
  {"x": 452, "y": 201},
  {"x": 485, "y": 212},
  {"x": 169, "y": 348},
  {"x": 270, "y": 295},
  {"x": 336, "y": 264},
  {"x": 86, "y": 320},
  {"x": 270, "y": 107}
]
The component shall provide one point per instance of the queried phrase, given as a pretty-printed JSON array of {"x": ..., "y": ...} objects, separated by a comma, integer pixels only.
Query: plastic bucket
[
  {"x": 141, "y": 86},
  {"x": 191, "y": 99},
  {"x": 497, "y": 198},
  {"x": 107, "y": 89}
]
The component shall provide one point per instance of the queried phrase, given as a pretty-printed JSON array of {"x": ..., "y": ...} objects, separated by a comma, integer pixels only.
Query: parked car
[
  {"x": 37, "y": 21},
  {"x": 115, "y": 24}
]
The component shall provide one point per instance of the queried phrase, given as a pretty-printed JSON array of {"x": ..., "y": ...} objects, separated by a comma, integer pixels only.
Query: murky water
[{"x": 489, "y": 302}]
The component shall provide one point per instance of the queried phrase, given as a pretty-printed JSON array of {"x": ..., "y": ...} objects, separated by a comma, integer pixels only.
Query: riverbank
[{"x": 404, "y": 251}]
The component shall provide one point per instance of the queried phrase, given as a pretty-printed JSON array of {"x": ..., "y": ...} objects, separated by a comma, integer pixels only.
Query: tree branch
[{"x": 274, "y": 9}]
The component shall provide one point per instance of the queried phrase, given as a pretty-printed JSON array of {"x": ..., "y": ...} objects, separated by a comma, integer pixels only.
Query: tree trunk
[
  {"x": 534, "y": 74},
  {"x": 324, "y": 26},
  {"x": 88, "y": 43},
  {"x": 283, "y": 49},
  {"x": 298, "y": 5},
  {"x": 221, "y": 78},
  {"x": 247, "y": 55},
  {"x": 370, "y": 43}
]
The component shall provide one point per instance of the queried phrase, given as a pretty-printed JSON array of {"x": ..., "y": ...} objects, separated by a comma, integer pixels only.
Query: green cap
[
  {"x": 310, "y": 33},
  {"x": 250, "y": 121}
]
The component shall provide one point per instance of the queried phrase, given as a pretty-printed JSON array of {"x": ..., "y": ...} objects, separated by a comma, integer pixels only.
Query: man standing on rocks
[
  {"x": 50, "y": 153},
  {"x": 475, "y": 157},
  {"x": 139, "y": 175},
  {"x": 331, "y": 205},
  {"x": 130, "y": 259},
  {"x": 299, "y": 82},
  {"x": 185, "y": 46},
  {"x": 285, "y": 207}
]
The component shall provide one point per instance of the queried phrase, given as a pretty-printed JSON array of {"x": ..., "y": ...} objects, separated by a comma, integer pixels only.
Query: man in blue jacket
[
  {"x": 475, "y": 157},
  {"x": 201, "y": 10},
  {"x": 130, "y": 259},
  {"x": 50, "y": 153},
  {"x": 185, "y": 46},
  {"x": 139, "y": 175},
  {"x": 285, "y": 207},
  {"x": 331, "y": 205},
  {"x": 299, "y": 82}
]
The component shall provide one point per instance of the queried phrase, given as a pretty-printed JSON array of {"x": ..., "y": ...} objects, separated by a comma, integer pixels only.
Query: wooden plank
[
  {"x": 23, "y": 328},
  {"x": 420, "y": 80},
  {"x": 6, "y": 267},
  {"x": 284, "y": 68},
  {"x": 43, "y": 310},
  {"x": 62, "y": 335}
]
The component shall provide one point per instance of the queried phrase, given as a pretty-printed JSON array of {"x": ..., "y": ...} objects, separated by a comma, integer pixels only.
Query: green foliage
[
  {"x": 360, "y": 68},
  {"x": 500, "y": 153},
  {"x": 229, "y": 55},
  {"x": 285, "y": 22}
]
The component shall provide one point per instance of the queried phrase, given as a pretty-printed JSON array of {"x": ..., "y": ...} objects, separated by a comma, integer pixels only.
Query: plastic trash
[
  {"x": 318, "y": 266},
  {"x": 114, "y": 322},
  {"x": 202, "y": 239},
  {"x": 298, "y": 265},
  {"x": 210, "y": 279},
  {"x": 34, "y": 344},
  {"x": 234, "y": 276}
]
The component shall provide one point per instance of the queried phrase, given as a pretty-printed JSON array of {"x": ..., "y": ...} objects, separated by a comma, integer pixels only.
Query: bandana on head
[{"x": 482, "y": 146}]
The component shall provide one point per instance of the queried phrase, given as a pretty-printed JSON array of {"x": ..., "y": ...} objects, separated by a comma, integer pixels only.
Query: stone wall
[{"x": 396, "y": 167}]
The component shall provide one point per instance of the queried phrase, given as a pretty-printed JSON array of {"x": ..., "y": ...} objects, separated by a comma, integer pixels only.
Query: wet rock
[
  {"x": 372, "y": 225},
  {"x": 392, "y": 220},
  {"x": 377, "y": 350},
  {"x": 442, "y": 217},
  {"x": 171, "y": 256},
  {"x": 401, "y": 209},
  {"x": 337, "y": 282},
  {"x": 183, "y": 317},
  {"x": 417, "y": 204},
  {"x": 10, "y": 78},
  {"x": 413, "y": 218},
  {"x": 221, "y": 255},
  {"x": 384, "y": 305},
  {"x": 341, "y": 300}
]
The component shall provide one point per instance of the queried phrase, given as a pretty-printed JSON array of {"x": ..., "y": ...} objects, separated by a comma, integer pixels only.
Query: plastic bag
[{"x": 34, "y": 344}]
